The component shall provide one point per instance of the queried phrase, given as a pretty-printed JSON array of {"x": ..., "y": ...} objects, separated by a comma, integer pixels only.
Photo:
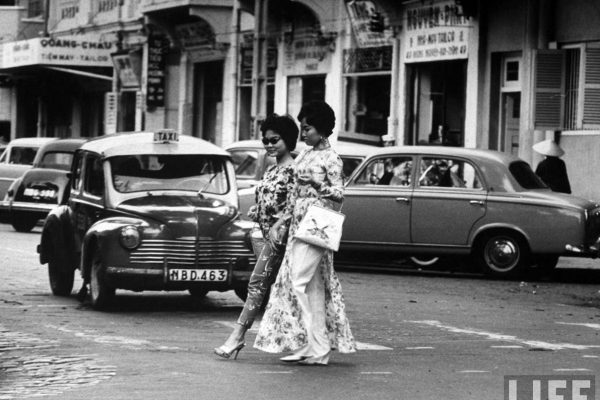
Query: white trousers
[{"x": 309, "y": 288}]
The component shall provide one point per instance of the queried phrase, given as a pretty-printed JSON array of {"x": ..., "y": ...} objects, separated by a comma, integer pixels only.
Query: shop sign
[
  {"x": 110, "y": 112},
  {"x": 124, "y": 67},
  {"x": 361, "y": 13},
  {"x": 155, "y": 82},
  {"x": 307, "y": 55},
  {"x": 197, "y": 34},
  {"x": 63, "y": 51},
  {"x": 435, "y": 32}
]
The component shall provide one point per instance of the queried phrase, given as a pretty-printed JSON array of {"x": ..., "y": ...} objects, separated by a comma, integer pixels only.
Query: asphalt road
[{"x": 421, "y": 336}]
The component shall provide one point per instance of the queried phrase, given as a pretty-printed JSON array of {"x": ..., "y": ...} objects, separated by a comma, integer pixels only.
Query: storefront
[
  {"x": 435, "y": 52},
  {"x": 367, "y": 73},
  {"x": 59, "y": 85}
]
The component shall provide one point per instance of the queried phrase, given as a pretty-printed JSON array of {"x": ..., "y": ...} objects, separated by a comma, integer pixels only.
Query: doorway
[
  {"x": 208, "y": 100},
  {"x": 436, "y": 100},
  {"x": 509, "y": 122},
  {"x": 302, "y": 89}
]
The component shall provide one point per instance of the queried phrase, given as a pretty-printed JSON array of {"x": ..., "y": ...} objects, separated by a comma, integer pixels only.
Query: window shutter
[
  {"x": 549, "y": 89},
  {"x": 591, "y": 89}
]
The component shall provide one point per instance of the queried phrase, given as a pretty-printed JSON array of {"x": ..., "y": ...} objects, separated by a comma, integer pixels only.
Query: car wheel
[
  {"x": 242, "y": 293},
  {"x": 198, "y": 293},
  {"x": 502, "y": 254},
  {"x": 23, "y": 222},
  {"x": 100, "y": 293},
  {"x": 546, "y": 262},
  {"x": 61, "y": 276},
  {"x": 424, "y": 261}
]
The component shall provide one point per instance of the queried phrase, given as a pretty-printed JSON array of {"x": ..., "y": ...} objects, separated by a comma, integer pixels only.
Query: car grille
[{"x": 203, "y": 253}]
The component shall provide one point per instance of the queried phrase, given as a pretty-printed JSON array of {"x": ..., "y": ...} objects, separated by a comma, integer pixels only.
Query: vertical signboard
[
  {"x": 110, "y": 113},
  {"x": 155, "y": 86},
  {"x": 139, "y": 110}
]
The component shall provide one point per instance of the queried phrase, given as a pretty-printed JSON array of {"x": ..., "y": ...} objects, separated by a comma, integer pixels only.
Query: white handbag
[{"x": 321, "y": 227}]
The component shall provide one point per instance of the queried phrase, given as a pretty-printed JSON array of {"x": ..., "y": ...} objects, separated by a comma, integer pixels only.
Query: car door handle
[
  {"x": 404, "y": 199},
  {"x": 477, "y": 202}
]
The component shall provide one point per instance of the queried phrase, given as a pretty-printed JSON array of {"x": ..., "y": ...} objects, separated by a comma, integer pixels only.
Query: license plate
[{"x": 198, "y": 275}]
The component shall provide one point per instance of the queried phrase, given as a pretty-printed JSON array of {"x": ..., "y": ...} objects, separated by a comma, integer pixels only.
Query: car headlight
[{"x": 130, "y": 237}]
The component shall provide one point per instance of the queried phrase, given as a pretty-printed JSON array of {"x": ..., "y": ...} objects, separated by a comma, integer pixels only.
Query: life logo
[{"x": 549, "y": 387}]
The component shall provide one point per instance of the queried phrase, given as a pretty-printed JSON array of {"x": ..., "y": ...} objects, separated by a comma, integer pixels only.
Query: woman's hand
[
  {"x": 274, "y": 239},
  {"x": 253, "y": 213}
]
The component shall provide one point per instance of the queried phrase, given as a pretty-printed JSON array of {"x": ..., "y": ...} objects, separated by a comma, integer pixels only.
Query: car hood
[
  {"x": 42, "y": 185},
  {"x": 562, "y": 199},
  {"x": 183, "y": 215}
]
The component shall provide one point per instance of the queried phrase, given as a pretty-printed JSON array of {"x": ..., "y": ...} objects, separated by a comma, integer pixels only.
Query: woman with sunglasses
[
  {"x": 279, "y": 136},
  {"x": 306, "y": 312}
]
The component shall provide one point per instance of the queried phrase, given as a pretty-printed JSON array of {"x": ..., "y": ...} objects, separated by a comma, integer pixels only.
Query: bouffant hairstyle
[
  {"x": 284, "y": 126},
  {"x": 320, "y": 115}
]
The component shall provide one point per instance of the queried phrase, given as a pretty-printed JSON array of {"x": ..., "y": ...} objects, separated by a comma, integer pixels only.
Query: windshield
[
  {"x": 191, "y": 172},
  {"x": 245, "y": 162},
  {"x": 525, "y": 176},
  {"x": 57, "y": 160}
]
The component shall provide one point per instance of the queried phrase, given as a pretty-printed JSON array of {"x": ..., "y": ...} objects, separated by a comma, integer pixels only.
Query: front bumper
[{"x": 148, "y": 278}]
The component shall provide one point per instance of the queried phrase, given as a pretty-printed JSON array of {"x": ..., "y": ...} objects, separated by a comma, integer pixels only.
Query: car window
[
  {"x": 245, "y": 162},
  {"x": 188, "y": 172},
  {"x": 350, "y": 164},
  {"x": 57, "y": 160},
  {"x": 3, "y": 156},
  {"x": 448, "y": 172},
  {"x": 22, "y": 155},
  {"x": 523, "y": 173},
  {"x": 93, "y": 182},
  {"x": 389, "y": 171}
]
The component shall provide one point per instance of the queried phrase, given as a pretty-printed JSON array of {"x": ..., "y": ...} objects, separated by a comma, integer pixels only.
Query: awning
[{"x": 82, "y": 73}]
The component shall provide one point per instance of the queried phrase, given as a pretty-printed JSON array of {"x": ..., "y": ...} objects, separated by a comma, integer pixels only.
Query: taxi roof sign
[{"x": 166, "y": 136}]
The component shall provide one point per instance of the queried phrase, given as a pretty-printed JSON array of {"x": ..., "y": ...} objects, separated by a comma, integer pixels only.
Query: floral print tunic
[
  {"x": 282, "y": 328},
  {"x": 273, "y": 195}
]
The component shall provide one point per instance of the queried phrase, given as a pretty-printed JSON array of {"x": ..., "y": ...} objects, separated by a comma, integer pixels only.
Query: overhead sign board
[
  {"x": 360, "y": 13},
  {"x": 61, "y": 51},
  {"x": 435, "y": 32}
]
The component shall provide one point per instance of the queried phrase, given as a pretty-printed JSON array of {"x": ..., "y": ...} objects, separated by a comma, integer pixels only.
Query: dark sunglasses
[{"x": 272, "y": 140}]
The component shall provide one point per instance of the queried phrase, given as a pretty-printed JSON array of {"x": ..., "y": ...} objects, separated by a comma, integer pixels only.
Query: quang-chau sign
[
  {"x": 435, "y": 32},
  {"x": 60, "y": 51}
]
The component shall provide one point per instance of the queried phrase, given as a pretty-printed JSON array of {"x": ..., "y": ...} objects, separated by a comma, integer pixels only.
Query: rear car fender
[
  {"x": 481, "y": 230},
  {"x": 57, "y": 235}
]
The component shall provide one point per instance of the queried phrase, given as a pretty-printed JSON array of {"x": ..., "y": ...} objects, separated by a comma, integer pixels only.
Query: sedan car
[
  {"x": 42, "y": 187},
  {"x": 17, "y": 158},
  {"x": 436, "y": 201},
  {"x": 148, "y": 211}
]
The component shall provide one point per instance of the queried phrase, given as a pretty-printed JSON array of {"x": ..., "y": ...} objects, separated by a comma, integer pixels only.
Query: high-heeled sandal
[{"x": 227, "y": 354}]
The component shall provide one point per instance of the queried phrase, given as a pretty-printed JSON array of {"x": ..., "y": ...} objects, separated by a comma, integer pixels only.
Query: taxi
[{"x": 148, "y": 211}]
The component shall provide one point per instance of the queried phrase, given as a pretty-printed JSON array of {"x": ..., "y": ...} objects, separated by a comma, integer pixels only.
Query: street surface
[{"x": 421, "y": 336}]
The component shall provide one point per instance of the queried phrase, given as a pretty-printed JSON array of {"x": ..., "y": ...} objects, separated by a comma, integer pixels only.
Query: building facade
[{"x": 497, "y": 75}]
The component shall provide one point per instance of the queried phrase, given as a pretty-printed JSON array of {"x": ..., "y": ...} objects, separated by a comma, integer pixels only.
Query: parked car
[
  {"x": 251, "y": 161},
  {"x": 17, "y": 158},
  {"x": 42, "y": 187},
  {"x": 148, "y": 211},
  {"x": 431, "y": 201}
]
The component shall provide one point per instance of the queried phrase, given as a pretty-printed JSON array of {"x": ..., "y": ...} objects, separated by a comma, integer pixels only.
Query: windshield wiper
[{"x": 200, "y": 192}]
